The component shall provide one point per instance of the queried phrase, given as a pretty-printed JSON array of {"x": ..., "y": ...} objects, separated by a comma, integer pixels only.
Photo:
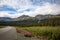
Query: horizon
[{"x": 16, "y": 8}]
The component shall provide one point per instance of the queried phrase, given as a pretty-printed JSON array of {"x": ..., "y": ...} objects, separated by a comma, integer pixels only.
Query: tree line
[{"x": 33, "y": 22}]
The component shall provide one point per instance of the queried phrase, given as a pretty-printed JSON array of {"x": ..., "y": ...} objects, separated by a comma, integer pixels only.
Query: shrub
[{"x": 27, "y": 34}]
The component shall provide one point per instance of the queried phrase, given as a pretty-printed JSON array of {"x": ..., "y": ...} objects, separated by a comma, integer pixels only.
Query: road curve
[{"x": 8, "y": 33}]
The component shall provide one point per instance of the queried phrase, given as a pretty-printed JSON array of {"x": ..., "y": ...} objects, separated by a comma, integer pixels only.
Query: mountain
[
  {"x": 40, "y": 17},
  {"x": 5, "y": 18},
  {"x": 58, "y": 15},
  {"x": 26, "y": 20},
  {"x": 27, "y": 17},
  {"x": 24, "y": 17},
  {"x": 47, "y": 16}
]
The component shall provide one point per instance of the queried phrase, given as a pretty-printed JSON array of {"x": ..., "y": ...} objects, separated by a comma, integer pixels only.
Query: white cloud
[
  {"x": 3, "y": 14},
  {"x": 12, "y": 3},
  {"x": 46, "y": 9},
  {"x": 6, "y": 14},
  {"x": 20, "y": 5},
  {"x": 16, "y": 3}
]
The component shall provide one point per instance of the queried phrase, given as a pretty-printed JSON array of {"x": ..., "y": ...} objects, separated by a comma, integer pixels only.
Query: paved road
[{"x": 8, "y": 33}]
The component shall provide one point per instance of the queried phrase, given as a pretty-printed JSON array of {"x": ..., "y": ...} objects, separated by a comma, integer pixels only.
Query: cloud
[
  {"x": 22, "y": 4},
  {"x": 46, "y": 9},
  {"x": 27, "y": 7},
  {"x": 12, "y": 3},
  {"x": 6, "y": 14}
]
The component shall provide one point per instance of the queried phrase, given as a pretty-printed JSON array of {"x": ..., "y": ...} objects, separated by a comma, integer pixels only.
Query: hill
[{"x": 38, "y": 20}]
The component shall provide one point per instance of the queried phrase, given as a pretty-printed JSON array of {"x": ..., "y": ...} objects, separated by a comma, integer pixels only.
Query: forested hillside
[{"x": 34, "y": 21}]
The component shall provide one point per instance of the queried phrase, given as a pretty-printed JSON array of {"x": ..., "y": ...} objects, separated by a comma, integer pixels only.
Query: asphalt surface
[{"x": 8, "y": 33}]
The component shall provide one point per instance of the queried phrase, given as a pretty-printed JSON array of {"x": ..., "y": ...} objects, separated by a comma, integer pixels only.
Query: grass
[
  {"x": 47, "y": 32},
  {"x": 2, "y": 26}
]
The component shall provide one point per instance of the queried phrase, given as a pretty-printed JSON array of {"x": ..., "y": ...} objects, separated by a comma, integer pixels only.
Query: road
[{"x": 8, "y": 33}]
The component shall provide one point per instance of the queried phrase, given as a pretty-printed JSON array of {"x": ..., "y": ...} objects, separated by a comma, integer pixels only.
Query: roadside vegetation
[
  {"x": 47, "y": 33},
  {"x": 2, "y": 26}
]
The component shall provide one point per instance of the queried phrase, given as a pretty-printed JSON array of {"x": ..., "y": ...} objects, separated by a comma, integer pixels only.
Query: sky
[{"x": 16, "y": 8}]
